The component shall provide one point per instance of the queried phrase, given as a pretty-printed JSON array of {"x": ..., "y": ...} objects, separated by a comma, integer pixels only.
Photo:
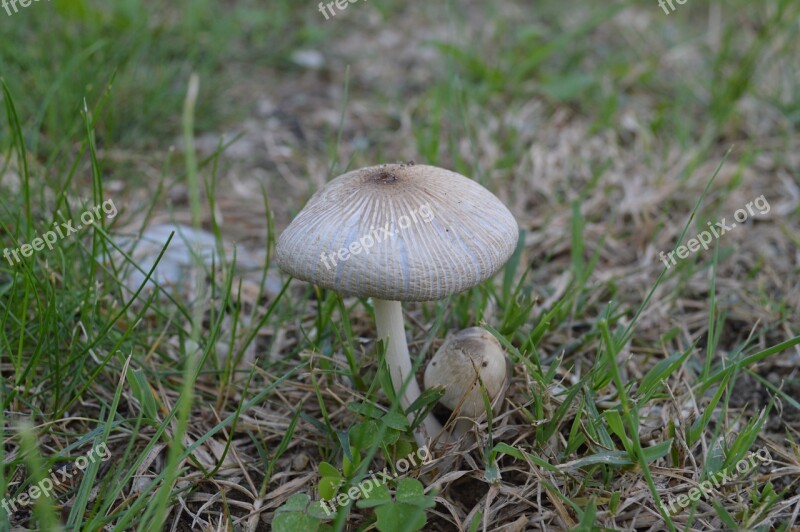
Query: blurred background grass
[
  {"x": 598, "y": 123},
  {"x": 53, "y": 56}
]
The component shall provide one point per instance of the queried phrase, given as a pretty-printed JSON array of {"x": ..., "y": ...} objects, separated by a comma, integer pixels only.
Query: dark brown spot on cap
[{"x": 383, "y": 177}]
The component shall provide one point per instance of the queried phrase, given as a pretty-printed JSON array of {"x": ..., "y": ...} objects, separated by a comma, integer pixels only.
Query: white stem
[{"x": 389, "y": 321}]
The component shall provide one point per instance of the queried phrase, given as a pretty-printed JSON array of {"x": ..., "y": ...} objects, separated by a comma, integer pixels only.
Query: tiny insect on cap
[{"x": 399, "y": 232}]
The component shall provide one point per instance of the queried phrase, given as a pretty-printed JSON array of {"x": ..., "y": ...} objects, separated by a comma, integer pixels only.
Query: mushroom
[
  {"x": 467, "y": 359},
  {"x": 399, "y": 232}
]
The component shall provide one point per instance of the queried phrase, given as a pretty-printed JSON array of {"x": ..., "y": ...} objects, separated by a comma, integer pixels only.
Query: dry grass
[{"x": 583, "y": 186}]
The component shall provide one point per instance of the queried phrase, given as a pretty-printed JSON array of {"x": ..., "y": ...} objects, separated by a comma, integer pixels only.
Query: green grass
[
  {"x": 148, "y": 52},
  {"x": 86, "y": 359}
]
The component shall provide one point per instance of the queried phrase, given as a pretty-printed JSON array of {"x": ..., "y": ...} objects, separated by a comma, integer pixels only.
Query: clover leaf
[
  {"x": 329, "y": 482},
  {"x": 406, "y": 513},
  {"x": 298, "y": 514}
]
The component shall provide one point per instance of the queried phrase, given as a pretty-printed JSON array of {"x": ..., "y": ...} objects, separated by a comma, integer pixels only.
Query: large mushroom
[{"x": 399, "y": 232}]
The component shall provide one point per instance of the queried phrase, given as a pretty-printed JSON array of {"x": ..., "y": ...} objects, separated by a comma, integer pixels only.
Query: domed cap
[
  {"x": 400, "y": 232},
  {"x": 457, "y": 364}
]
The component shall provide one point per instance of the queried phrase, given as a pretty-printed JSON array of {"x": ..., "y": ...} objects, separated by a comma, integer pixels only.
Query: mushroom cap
[
  {"x": 400, "y": 232},
  {"x": 454, "y": 366}
]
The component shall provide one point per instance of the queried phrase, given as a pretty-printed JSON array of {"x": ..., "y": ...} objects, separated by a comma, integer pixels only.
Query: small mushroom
[
  {"x": 399, "y": 232},
  {"x": 466, "y": 359}
]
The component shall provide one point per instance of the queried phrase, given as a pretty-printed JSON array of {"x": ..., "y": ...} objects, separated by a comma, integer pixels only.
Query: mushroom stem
[{"x": 389, "y": 321}]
